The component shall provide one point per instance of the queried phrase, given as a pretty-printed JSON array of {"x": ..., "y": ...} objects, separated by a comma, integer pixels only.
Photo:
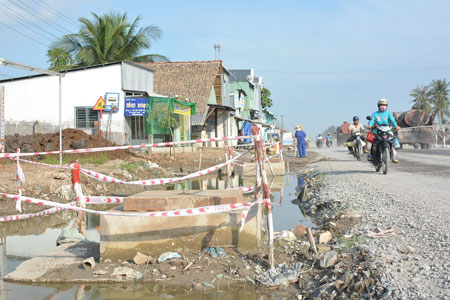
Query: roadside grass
[
  {"x": 349, "y": 242},
  {"x": 94, "y": 160},
  {"x": 133, "y": 167}
]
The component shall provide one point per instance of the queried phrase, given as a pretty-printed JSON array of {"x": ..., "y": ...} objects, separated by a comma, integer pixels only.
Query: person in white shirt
[{"x": 356, "y": 127}]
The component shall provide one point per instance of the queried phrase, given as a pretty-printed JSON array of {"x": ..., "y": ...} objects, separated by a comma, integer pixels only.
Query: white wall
[{"x": 37, "y": 98}]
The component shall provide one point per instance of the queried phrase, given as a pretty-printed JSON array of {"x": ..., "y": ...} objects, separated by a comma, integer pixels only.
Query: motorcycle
[
  {"x": 357, "y": 144},
  {"x": 329, "y": 143},
  {"x": 319, "y": 143},
  {"x": 382, "y": 148}
]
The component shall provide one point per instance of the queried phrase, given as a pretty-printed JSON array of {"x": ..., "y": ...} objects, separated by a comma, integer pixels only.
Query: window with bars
[{"x": 85, "y": 117}]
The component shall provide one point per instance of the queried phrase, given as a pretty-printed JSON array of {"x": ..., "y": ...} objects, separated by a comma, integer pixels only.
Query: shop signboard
[
  {"x": 287, "y": 138},
  {"x": 112, "y": 102},
  {"x": 181, "y": 109},
  {"x": 135, "y": 107}
]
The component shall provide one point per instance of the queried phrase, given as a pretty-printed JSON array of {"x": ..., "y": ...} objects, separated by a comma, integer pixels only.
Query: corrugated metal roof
[{"x": 198, "y": 119}]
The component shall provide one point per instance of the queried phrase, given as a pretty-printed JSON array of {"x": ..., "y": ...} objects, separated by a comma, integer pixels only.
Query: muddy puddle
[{"x": 15, "y": 249}]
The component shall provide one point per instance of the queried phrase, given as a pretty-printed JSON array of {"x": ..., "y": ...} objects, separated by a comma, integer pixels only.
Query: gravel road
[{"x": 414, "y": 200}]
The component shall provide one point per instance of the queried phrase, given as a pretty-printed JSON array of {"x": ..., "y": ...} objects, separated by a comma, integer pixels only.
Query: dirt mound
[{"x": 71, "y": 139}]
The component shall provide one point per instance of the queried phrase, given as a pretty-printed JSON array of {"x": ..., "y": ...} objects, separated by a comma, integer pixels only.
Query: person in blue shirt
[
  {"x": 383, "y": 117},
  {"x": 301, "y": 142}
]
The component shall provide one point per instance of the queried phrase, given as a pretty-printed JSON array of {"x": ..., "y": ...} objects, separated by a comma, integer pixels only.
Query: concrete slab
[
  {"x": 168, "y": 200},
  {"x": 279, "y": 169},
  {"x": 40, "y": 268},
  {"x": 121, "y": 236}
]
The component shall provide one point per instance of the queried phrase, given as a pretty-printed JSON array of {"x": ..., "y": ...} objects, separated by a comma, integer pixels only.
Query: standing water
[{"x": 17, "y": 247}]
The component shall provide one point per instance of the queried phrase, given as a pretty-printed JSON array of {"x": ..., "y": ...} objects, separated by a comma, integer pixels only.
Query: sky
[{"x": 324, "y": 61}]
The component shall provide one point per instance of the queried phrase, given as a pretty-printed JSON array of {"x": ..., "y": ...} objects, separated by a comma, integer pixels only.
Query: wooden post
[
  {"x": 200, "y": 159},
  {"x": 312, "y": 243},
  {"x": 265, "y": 187},
  {"x": 150, "y": 141},
  {"x": 81, "y": 216}
]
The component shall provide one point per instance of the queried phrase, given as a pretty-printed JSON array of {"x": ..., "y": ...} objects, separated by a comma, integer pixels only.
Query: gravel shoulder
[{"x": 414, "y": 203}]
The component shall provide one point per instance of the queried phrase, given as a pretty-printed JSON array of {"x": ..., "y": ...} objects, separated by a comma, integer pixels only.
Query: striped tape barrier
[
  {"x": 204, "y": 210},
  {"x": 33, "y": 215},
  {"x": 147, "y": 182},
  {"x": 129, "y": 147},
  {"x": 88, "y": 200}
]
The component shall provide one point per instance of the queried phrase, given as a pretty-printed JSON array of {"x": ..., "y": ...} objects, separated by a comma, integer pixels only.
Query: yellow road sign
[{"x": 100, "y": 105}]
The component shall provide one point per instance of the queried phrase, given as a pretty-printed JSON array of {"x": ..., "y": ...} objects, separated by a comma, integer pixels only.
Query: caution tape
[
  {"x": 204, "y": 210},
  {"x": 159, "y": 181},
  {"x": 119, "y": 200},
  {"x": 129, "y": 147},
  {"x": 148, "y": 182},
  {"x": 33, "y": 215}
]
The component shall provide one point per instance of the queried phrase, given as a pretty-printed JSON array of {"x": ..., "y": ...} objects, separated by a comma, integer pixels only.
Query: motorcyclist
[
  {"x": 356, "y": 127},
  {"x": 383, "y": 117},
  {"x": 319, "y": 139},
  {"x": 329, "y": 138}
]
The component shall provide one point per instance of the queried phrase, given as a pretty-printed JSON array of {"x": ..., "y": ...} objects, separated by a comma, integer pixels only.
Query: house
[
  {"x": 32, "y": 102},
  {"x": 244, "y": 81},
  {"x": 246, "y": 89},
  {"x": 207, "y": 84}
]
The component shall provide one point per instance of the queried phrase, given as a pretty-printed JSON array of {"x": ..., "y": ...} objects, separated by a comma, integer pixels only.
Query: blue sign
[
  {"x": 135, "y": 106},
  {"x": 112, "y": 102}
]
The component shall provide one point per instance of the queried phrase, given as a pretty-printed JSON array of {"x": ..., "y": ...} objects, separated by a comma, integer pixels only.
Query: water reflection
[
  {"x": 13, "y": 251},
  {"x": 281, "y": 187},
  {"x": 3, "y": 269}
]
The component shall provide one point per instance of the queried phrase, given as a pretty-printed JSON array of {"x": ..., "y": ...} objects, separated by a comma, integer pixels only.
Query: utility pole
[
  {"x": 217, "y": 51},
  {"x": 282, "y": 125}
]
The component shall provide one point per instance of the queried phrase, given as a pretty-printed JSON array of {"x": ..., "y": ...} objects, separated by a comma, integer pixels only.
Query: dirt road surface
[{"x": 414, "y": 200}]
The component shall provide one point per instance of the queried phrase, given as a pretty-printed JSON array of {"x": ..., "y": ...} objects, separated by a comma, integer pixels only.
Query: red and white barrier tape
[
  {"x": 101, "y": 200},
  {"x": 149, "y": 182},
  {"x": 214, "y": 209},
  {"x": 90, "y": 150},
  {"x": 33, "y": 215},
  {"x": 88, "y": 200}
]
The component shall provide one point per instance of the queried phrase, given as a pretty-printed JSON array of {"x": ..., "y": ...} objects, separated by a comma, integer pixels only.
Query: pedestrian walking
[{"x": 301, "y": 142}]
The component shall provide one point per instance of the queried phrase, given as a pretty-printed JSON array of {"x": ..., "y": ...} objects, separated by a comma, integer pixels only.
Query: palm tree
[
  {"x": 104, "y": 39},
  {"x": 440, "y": 89},
  {"x": 422, "y": 100}
]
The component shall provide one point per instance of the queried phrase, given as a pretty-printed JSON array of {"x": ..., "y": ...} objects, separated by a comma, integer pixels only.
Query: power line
[
  {"x": 57, "y": 13},
  {"x": 20, "y": 18},
  {"x": 359, "y": 71},
  {"x": 25, "y": 35},
  {"x": 6, "y": 12},
  {"x": 6, "y": 75},
  {"x": 39, "y": 16}
]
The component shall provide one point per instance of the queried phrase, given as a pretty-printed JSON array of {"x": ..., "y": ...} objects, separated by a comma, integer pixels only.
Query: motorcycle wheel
[
  {"x": 358, "y": 152},
  {"x": 384, "y": 160}
]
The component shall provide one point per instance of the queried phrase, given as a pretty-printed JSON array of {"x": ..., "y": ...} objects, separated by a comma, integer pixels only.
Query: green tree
[
  {"x": 164, "y": 116},
  {"x": 422, "y": 98},
  {"x": 440, "y": 89},
  {"x": 107, "y": 38},
  {"x": 60, "y": 59},
  {"x": 266, "y": 101}
]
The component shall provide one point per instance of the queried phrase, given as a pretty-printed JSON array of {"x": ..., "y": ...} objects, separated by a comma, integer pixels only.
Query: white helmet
[{"x": 382, "y": 101}]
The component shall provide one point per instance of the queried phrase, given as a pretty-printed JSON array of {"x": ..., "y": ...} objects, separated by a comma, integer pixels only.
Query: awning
[
  {"x": 264, "y": 124},
  {"x": 198, "y": 119},
  {"x": 224, "y": 107}
]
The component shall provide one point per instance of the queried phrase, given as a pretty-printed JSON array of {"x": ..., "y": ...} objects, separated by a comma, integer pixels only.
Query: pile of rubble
[{"x": 38, "y": 142}]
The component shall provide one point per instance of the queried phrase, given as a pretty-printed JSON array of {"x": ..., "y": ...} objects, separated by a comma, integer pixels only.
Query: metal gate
[{"x": 138, "y": 132}]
